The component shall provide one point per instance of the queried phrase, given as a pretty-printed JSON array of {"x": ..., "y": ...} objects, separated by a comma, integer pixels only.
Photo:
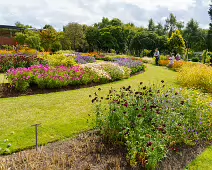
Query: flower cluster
[
  {"x": 134, "y": 65},
  {"x": 85, "y": 59},
  {"x": 18, "y": 60},
  {"x": 153, "y": 120},
  {"x": 45, "y": 76}
]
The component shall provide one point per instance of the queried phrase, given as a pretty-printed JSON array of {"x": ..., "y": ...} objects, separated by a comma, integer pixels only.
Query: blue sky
[{"x": 60, "y": 12}]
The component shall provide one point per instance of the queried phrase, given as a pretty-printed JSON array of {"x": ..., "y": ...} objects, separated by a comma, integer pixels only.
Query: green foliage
[
  {"x": 152, "y": 120},
  {"x": 172, "y": 24},
  {"x": 59, "y": 60},
  {"x": 74, "y": 35},
  {"x": 196, "y": 76},
  {"x": 147, "y": 52},
  {"x": 55, "y": 112},
  {"x": 20, "y": 38},
  {"x": 48, "y": 38},
  {"x": 195, "y": 59},
  {"x": 176, "y": 43}
]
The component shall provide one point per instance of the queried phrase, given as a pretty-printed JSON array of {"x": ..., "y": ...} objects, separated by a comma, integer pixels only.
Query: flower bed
[
  {"x": 152, "y": 121},
  {"x": 197, "y": 76},
  {"x": 62, "y": 76},
  {"x": 134, "y": 65},
  {"x": 45, "y": 76},
  {"x": 85, "y": 59},
  {"x": 18, "y": 60},
  {"x": 59, "y": 60}
]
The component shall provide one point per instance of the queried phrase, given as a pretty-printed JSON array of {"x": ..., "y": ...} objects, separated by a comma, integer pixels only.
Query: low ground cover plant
[
  {"x": 197, "y": 76},
  {"x": 152, "y": 121}
]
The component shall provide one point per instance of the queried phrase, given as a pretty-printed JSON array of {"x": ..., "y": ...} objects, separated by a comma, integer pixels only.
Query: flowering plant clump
[
  {"x": 153, "y": 120},
  {"x": 59, "y": 60},
  {"x": 95, "y": 74},
  {"x": 134, "y": 65},
  {"x": 45, "y": 76},
  {"x": 197, "y": 76},
  {"x": 18, "y": 60},
  {"x": 85, "y": 59}
]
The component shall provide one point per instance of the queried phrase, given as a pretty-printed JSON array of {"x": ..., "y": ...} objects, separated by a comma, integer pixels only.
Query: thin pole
[{"x": 36, "y": 135}]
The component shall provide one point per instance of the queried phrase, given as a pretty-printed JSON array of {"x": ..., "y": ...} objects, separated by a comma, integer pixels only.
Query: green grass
[
  {"x": 203, "y": 162},
  {"x": 65, "y": 114},
  {"x": 61, "y": 114}
]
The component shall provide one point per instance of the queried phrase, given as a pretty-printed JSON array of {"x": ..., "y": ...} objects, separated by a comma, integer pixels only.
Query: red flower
[
  {"x": 126, "y": 104},
  {"x": 149, "y": 144}
]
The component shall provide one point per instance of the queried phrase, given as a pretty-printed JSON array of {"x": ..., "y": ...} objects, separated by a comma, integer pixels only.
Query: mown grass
[
  {"x": 203, "y": 162},
  {"x": 61, "y": 114}
]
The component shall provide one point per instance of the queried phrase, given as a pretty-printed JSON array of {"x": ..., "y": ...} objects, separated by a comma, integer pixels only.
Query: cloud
[{"x": 59, "y": 13}]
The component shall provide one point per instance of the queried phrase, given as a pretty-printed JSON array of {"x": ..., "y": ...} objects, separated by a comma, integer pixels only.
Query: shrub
[
  {"x": 148, "y": 60},
  {"x": 114, "y": 70},
  {"x": 59, "y": 60},
  {"x": 45, "y": 76},
  {"x": 164, "y": 57},
  {"x": 27, "y": 51},
  {"x": 95, "y": 74},
  {"x": 179, "y": 64},
  {"x": 84, "y": 59},
  {"x": 65, "y": 52},
  {"x": 197, "y": 76},
  {"x": 5, "y": 52},
  {"x": 134, "y": 65},
  {"x": 164, "y": 62},
  {"x": 195, "y": 59},
  {"x": 151, "y": 121},
  {"x": 18, "y": 60}
]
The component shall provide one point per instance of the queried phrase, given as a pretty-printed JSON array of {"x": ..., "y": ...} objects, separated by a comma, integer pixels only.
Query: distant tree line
[{"x": 113, "y": 35}]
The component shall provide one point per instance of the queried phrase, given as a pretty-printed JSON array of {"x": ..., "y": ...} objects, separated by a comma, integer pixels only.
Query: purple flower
[{"x": 200, "y": 123}]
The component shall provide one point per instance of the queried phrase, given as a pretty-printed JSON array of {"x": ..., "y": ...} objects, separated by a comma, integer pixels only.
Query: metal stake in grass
[{"x": 36, "y": 135}]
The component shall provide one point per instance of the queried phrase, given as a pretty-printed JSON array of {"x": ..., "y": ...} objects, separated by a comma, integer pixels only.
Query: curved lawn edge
[
  {"x": 7, "y": 92},
  {"x": 61, "y": 114}
]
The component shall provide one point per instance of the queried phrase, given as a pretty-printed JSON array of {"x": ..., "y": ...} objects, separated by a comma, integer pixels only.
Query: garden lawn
[
  {"x": 203, "y": 162},
  {"x": 61, "y": 114}
]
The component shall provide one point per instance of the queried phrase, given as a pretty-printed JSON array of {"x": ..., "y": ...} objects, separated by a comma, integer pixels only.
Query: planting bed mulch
[
  {"x": 6, "y": 91},
  {"x": 89, "y": 152}
]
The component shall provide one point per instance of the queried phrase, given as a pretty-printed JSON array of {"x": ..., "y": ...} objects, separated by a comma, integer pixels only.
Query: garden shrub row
[
  {"x": 61, "y": 76},
  {"x": 18, "y": 60},
  {"x": 153, "y": 120},
  {"x": 177, "y": 64},
  {"x": 197, "y": 76}
]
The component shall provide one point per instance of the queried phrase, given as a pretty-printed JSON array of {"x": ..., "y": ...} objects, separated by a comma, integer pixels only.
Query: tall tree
[
  {"x": 49, "y": 37},
  {"x": 19, "y": 24},
  {"x": 210, "y": 29},
  {"x": 172, "y": 24},
  {"x": 160, "y": 29},
  {"x": 176, "y": 43},
  {"x": 76, "y": 34},
  {"x": 151, "y": 25}
]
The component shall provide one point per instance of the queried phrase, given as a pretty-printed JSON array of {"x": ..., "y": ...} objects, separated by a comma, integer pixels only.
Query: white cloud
[
  {"x": 58, "y": 13},
  {"x": 170, "y": 4}
]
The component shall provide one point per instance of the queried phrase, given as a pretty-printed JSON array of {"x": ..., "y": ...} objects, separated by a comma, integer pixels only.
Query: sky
[{"x": 61, "y": 12}]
